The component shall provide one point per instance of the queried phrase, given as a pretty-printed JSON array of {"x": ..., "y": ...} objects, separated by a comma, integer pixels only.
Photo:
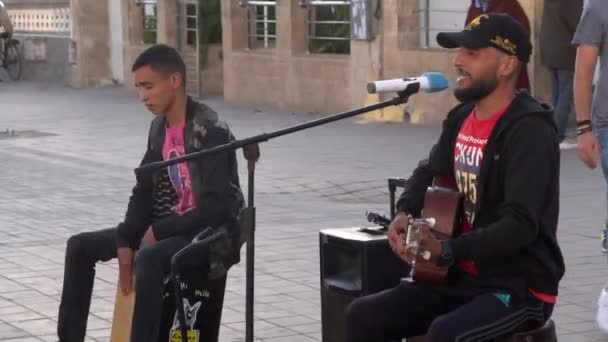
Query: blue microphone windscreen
[{"x": 437, "y": 81}]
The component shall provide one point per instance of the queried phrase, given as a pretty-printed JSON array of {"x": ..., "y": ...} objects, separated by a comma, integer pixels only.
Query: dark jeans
[
  {"x": 442, "y": 314},
  {"x": 562, "y": 98},
  {"x": 152, "y": 264}
]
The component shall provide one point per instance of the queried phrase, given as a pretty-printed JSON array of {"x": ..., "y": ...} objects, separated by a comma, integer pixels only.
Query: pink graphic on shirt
[{"x": 179, "y": 174}]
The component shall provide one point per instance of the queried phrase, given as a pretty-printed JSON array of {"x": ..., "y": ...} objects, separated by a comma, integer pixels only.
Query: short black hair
[{"x": 161, "y": 58}]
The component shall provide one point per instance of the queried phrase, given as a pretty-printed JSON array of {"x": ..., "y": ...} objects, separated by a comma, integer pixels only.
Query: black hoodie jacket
[
  {"x": 215, "y": 181},
  {"x": 513, "y": 242}
]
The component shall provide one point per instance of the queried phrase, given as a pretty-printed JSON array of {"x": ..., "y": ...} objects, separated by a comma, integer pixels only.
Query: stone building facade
[{"x": 267, "y": 56}]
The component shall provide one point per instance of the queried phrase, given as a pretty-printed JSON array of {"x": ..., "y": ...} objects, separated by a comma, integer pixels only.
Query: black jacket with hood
[
  {"x": 215, "y": 182},
  {"x": 513, "y": 242}
]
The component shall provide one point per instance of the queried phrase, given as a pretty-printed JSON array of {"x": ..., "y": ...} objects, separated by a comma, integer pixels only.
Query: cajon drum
[{"x": 123, "y": 313}]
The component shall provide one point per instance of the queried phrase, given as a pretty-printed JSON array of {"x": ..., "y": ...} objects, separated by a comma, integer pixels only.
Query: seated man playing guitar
[{"x": 500, "y": 147}]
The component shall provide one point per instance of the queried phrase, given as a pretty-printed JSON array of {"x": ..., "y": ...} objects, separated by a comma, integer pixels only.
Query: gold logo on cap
[
  {"x": 476, "y": 22},
  {"x": 505, "y": 44}
]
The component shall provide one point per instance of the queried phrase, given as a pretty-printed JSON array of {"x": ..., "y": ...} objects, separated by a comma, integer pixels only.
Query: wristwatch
[{"x": 446, "y": 258}]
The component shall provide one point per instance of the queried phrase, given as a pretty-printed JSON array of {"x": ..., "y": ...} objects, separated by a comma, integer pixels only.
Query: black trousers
[
  {"x": 443, "y": 314},
  {"x": 152, "y": 265}
]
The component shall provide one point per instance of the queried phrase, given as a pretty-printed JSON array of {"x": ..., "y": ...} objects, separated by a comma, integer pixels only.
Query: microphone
[{"x": 429, "y": 82}]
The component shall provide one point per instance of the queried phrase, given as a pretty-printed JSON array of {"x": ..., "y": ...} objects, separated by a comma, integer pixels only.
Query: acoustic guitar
[{"x": 442, "y": 207}]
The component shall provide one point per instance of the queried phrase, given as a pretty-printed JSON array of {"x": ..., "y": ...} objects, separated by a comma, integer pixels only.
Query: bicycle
[{"x": 10, "y": 56}]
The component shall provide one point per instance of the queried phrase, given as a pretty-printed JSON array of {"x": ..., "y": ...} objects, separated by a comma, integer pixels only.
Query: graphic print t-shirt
[
  {"x": 468, "y": 154},
  {"x": 179, "y": 174}
]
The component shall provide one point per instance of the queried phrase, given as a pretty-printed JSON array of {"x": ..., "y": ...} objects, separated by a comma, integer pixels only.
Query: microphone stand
[{"x": 252, "y": 153}]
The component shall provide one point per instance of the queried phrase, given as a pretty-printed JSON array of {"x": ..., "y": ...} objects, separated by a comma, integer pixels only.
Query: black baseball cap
[{"x": 497, "y": 30}]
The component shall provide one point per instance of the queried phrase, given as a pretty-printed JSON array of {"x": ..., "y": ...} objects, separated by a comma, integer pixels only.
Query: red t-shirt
[{"x": 468, "y": 154}]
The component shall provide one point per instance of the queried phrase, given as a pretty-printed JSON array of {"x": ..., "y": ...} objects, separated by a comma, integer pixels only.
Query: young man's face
[{"x": 157, "y": 90}]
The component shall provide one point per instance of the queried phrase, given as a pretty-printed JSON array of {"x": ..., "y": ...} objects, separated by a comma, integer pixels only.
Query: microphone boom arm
[{"x": 400, "y": 99}]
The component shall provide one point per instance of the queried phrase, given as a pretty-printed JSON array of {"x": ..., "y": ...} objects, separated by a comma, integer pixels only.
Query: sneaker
[
  {"x": 601, "y": 316},
  {"x": 605, "y": 240}
]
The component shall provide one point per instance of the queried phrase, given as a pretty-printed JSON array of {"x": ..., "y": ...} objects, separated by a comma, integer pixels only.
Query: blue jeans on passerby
[
  {"x": 563, "y": 98},
  {"x": 602, "y": 136}
]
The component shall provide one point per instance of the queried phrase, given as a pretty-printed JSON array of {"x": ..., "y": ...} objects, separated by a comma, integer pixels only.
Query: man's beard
[{"x": 477, "y": 90}]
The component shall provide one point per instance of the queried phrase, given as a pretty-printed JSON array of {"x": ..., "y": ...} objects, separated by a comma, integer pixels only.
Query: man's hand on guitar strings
[
  {"x": 406, "y": 254},
  {"x": 429, "y": 243}
]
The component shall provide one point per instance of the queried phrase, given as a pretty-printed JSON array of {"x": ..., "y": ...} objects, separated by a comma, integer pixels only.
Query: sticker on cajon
[{"x": 123, "y": 313}]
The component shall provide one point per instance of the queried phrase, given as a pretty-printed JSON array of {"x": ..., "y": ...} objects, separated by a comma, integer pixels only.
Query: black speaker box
[{"x": 354, "y": 263}]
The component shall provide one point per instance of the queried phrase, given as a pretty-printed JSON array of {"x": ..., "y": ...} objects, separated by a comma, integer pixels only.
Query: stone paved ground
[{"x": 77, "y": 176}]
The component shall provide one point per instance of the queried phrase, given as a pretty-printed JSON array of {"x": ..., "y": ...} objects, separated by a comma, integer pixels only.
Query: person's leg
[
  {"x": 565, "y": 101},
  {"x": 489, "y": 317},
  {"x": 406, "y": 310},
  {"x": 602, "y": 308},
  {"x": 1, "y": 52},
  {"x": 152, "y": 264},
  {"x": 554, "y": 87},
  {"x": 602, "y": 136},
  {"x": 82, "y": 252}
]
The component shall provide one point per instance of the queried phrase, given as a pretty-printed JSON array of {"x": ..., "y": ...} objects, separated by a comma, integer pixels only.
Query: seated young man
[
  {"x": 500, "y": 147},
  {"x": 194, "y": 195}
]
